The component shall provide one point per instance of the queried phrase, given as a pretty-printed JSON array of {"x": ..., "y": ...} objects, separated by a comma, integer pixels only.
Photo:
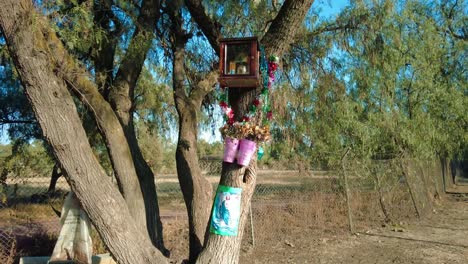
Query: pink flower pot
[
  {"x": 230, "y": 149},
  {"x": 246, "y": 151}
]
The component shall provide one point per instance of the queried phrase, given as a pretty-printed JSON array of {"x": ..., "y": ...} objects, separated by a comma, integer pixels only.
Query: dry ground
[
  {"x": 316, "y": 232},
  {"x": 441, "y": 238}
]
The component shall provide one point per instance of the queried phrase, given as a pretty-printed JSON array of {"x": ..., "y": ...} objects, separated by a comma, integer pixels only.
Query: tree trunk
[
  {"x": 60, "y": 123},
  {"x": 196, "y": 189},
  {"x": 119, "y": 151},
  {"x": 139, "y": 192},
  {"x": 285, "y": 26},
  {"x": 226, "y": 249},
  {"x": 122, "y": 96},
  {"x": 148, "y": 188}
]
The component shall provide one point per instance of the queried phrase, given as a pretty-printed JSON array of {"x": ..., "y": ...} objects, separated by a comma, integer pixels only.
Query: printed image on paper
[{"x": 226, "y": 211}]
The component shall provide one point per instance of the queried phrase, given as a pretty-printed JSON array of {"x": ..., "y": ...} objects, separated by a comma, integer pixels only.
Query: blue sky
[{"x": 330, "y": 7}]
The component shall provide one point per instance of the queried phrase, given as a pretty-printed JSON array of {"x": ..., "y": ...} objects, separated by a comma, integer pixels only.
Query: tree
[
  {"x": 383, "y": 78},
  {"x": 122, "y": 216}
]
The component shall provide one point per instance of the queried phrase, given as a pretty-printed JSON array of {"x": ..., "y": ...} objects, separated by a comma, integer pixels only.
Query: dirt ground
[
  {"x": 441, "y": 238},
  {"x": 294, "y": 237}
]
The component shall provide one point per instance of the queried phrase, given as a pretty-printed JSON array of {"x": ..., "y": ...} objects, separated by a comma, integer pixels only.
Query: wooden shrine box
[{"x": 239, "y": 63}]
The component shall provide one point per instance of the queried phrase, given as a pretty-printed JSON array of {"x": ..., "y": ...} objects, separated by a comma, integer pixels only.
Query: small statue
[{"x": 241, "y": 69}]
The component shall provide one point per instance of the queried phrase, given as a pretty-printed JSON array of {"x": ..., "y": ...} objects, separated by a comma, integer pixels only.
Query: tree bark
[
  {"x": 196, "y": 189},
  {"x": 285, "y": 26},
  {"x": 120, "y": 155},
  {"x": 60, "y": 123},
  {"x": 211, "y": 28},
  {"x": 121, "y": 97},
  {"x": 225, "y": 249}
]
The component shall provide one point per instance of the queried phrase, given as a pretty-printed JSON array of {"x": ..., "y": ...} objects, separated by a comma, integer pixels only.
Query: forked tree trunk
[
  {"x": 138, "y": 190},
  {"x": 121, "y": 97},
  {"x": 145, "y": 174},
  {"x": 61, "y": 125},
  {"x": 119, "y": 151},
  {"x": 196, "y": 189}
]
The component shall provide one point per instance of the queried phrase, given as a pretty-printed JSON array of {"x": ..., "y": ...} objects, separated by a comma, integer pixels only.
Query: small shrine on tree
[{"x": 244, "y": 70}]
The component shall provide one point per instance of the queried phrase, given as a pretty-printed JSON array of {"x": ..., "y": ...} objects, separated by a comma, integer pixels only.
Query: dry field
[{"x": 296, "y": 219}]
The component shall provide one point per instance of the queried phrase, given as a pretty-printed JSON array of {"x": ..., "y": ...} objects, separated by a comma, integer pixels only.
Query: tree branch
[
  {"x": 103, "y": 52},
  {"x": 204, "y": 87},
  {"x": 9, "y": 121},
  {"x": 285, "y": 25},
  {"x": 122, "y": 93},
  {"x": 132, "y": 62},
  {"x": 210, "y": 28}
]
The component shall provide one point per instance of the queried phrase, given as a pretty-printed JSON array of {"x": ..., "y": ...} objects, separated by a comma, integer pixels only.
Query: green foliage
[
  {"x": 382, "y": 78},
  {"x": 153, "y": 101},
  {"x": 26, "y": 159},
  {"x": 206, "y": 149},
  {"x": 16, "y": 115},
  {"x": 158, "y": 152},
  {"x": 73, "y": 21}
]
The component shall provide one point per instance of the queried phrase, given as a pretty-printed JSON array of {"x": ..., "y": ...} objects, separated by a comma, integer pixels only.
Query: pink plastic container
[
  {"x": 246, "y": 151},
  {"x": 230, "y": 149}
]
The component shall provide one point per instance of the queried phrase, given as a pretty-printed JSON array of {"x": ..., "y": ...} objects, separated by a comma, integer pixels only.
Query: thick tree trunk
[
  {"x": 226, "y": 249},
  {"x": 121, "y": 97},
  {"x": 284, "y": 27},
  {"x": 57, "y": 115},
  {"x": 196, "y": 189},
  {"x": 119, "y": 151},
  {"x": 148, "y": 188}
]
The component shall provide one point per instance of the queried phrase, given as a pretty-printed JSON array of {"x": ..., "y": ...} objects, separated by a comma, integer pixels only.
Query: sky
[{"x": 330, "y": 7}]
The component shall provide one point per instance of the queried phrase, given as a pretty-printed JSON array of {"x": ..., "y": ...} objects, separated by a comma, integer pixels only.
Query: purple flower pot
[
  {"x": 230, "y": 149},
  {"x": 246, "y": 151}
]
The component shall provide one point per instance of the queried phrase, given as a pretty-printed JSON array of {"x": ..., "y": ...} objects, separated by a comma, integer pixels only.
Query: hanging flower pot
[
  {"x": 230, "y": 149},
  {"x": 246, "y": 151}
]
